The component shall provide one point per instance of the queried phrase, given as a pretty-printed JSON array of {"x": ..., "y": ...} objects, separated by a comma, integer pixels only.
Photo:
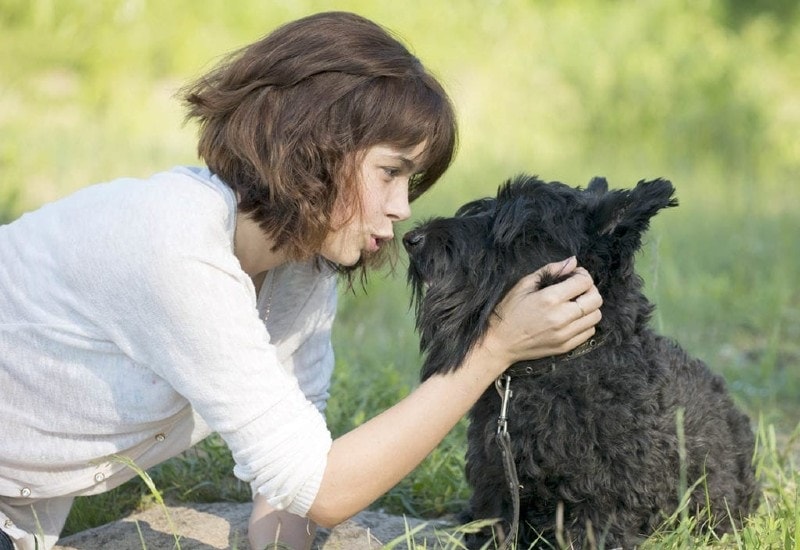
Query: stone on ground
[{"x": 224, "y": 526}]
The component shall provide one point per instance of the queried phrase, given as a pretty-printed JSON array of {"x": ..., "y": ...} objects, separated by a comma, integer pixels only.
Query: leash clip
[{"x": 504, "y": 390}]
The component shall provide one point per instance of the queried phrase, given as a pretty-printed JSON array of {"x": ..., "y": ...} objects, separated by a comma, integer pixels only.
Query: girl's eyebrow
[{"x": 408, "y": 164}]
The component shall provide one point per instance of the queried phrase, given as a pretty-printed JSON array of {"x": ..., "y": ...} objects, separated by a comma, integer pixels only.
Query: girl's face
[{"x": 384, "y": 175}]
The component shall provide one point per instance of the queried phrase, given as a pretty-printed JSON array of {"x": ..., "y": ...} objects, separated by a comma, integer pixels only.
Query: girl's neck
[{"x": 254, "y": 249}]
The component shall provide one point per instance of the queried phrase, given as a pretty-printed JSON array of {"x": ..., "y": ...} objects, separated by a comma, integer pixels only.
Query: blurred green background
[{"x": 705, "y": 93}]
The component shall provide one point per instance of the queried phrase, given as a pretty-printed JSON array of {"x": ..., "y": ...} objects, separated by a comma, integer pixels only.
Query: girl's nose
[{"x": 399, "y": 208}]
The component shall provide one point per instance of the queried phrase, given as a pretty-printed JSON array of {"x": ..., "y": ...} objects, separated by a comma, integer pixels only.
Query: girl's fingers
[
  {"x": 588, "y": 302},
  {"x": 587, "y": 322},
  {"x": 537, "y": 322},
  {"x": 575, "y": 341},
  {"x": 576, "y": 297},
  {"x": 563, "y": 267}
]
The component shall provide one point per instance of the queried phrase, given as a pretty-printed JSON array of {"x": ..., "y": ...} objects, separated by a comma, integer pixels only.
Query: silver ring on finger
[{"x": 577, "y": 303}]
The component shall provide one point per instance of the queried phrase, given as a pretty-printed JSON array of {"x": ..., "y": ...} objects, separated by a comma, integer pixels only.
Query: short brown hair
[{"x": 283, "y": 120}]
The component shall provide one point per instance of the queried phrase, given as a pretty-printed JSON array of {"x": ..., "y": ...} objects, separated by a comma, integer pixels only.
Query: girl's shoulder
[
  {"x": 179, "y": 206},
  {"x": 182, "y": 193}
]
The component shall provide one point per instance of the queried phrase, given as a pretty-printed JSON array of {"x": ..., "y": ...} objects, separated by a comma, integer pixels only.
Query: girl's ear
[{"x": 623, "y": 216}]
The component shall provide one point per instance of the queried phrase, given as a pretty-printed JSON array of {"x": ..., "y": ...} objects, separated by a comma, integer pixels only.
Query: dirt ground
[{"x": 224, "y": 526}]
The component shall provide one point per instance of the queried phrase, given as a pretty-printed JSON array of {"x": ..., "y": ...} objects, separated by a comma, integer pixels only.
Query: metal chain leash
[{"x": 503, "y": 385}]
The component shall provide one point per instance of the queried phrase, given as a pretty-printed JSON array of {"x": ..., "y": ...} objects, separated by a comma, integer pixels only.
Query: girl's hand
[{"x": 531, "y": 323}]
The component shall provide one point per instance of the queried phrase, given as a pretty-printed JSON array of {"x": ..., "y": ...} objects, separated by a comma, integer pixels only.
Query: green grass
[{"x": 704, "y": 93}]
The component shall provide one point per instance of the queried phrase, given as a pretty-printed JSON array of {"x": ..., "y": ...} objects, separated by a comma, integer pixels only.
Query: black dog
[{"x": 595, "y": 433}]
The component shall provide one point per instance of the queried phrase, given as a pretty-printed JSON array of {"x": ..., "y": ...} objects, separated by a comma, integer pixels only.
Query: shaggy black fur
[{"x": 597, "y": 435}]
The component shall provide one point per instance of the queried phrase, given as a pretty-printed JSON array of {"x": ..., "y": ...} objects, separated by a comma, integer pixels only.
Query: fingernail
[{"x": 565, "y": 264}]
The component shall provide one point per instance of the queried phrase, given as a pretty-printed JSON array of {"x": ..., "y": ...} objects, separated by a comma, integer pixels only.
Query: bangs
[{"x": 405, "y": 112}]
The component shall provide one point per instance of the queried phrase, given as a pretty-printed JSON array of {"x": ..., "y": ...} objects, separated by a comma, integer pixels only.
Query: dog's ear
[
  {"x": 597, "y": 185},
  {"x": 623, "y": 216}
]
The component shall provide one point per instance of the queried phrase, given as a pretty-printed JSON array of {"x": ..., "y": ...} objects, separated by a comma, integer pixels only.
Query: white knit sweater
[{"x": 127, "y": 326}]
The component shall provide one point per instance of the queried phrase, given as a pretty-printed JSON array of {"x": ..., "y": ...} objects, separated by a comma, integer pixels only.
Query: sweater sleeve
[{"x": 180, "y": 304}]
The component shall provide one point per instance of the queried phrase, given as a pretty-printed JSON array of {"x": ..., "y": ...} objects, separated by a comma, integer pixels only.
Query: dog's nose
[{"x": 413, "y": 239}]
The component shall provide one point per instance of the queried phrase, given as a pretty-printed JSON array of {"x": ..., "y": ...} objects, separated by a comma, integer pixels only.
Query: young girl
[{"x": 139, "y": 316}]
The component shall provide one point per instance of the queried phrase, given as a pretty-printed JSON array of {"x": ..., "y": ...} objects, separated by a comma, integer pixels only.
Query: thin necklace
[{"x": 272, "y": 276}]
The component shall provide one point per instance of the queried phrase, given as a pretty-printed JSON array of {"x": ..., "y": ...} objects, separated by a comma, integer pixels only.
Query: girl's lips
[{"x": 375, "y": 242}]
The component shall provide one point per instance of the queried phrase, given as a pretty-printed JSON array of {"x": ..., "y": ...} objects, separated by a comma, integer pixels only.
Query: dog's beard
[{"x": 452, "y": 316}]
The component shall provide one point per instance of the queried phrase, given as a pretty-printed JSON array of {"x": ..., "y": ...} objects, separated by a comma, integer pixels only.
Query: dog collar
[{"x": 538, "y": 367}]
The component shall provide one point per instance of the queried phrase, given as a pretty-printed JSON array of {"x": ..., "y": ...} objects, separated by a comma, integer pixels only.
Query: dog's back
[{"x": 600, "y": 436}]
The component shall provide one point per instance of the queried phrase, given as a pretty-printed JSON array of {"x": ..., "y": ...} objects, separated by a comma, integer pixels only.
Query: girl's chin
[{"x": 345, "y": 260}]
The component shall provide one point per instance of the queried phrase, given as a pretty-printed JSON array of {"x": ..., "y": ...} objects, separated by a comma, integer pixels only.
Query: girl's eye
[{"x": 391, "y": 172}]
